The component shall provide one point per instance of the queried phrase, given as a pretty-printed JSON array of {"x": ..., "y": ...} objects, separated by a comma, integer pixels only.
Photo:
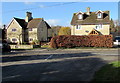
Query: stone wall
[{"x": 21, "y": 46}]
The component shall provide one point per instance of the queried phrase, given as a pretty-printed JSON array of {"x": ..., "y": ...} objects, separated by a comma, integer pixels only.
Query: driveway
[{"x": 55, "y": 65}]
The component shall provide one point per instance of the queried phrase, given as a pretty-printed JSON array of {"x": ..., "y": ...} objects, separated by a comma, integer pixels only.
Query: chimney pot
[
  {"x": 88, "y": 10},
  {"x": 28, "y": 16}
]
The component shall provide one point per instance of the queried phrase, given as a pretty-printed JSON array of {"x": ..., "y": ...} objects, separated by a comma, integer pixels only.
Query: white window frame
[
  {"x": 78, "y": 27},
  {"x": 80, "y": 16},
  {"x": 30, "y": 29},
  {"x": 99, "y": 15},
  {"x": 98, "y": 26},
  {"x": 30, "y": 39}
]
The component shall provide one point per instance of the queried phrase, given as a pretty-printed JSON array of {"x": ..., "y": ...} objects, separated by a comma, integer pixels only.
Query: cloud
[
  {"x": 41, "y": 6},
  {"x": 28, "y": 3},
  {"x": 53, "y": 22},
  {"x": 68, "y": 23}
]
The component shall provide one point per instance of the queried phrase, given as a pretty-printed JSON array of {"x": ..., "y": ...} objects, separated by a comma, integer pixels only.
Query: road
[{"x": 55, "y": 65}]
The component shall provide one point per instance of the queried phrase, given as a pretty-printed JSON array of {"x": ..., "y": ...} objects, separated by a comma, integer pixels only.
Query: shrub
[
  {"x": 24, "y": 43},
  {"x": 6, "y": 47},
  {"x": 81, "y": 41},
  {"x": 53, "y": 42}
]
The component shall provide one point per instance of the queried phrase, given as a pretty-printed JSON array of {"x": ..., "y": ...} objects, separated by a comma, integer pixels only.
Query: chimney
[
  {"x": 88, "y": 11},
  {"x": 28, "y": 16}
]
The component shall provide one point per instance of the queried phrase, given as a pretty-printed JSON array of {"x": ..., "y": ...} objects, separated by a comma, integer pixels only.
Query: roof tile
[{"x": 91, "y": 19}]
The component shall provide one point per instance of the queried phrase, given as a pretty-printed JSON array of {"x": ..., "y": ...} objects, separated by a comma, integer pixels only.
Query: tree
[
  {"x": 55, "y": 30},
  {"x": 116, "y": 22},
  {"x": 4, "y": 35},
  {"x": 116, "y": 30},
  {"x": 64, "y": 31},
  {"x": 112, "y": 24}
]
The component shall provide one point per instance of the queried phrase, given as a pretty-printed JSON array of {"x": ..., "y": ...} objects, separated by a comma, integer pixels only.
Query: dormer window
[
  {"x": 80, "y": 16},
  {"x": 99, "y": 14}
]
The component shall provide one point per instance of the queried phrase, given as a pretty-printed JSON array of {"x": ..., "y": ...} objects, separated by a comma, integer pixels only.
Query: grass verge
[{"x": 108, "y": 73}]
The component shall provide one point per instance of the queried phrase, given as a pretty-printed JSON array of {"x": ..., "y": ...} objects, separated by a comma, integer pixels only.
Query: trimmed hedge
[{"x": 81, "y": 41}]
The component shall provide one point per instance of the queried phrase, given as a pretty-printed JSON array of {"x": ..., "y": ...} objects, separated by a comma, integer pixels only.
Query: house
[
  {"x": 16, "y": 30},
  {"x": 90, "y": 23},
  {"x": 38, "y": 29},
  {"x": 28, "y": 30}
]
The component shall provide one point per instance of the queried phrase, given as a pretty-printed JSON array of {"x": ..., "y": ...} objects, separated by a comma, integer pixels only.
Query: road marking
[
  {"x": 11, "y": 77},
  {"x": 49, "y": 57},
  {"x": 45, "y": 61}
]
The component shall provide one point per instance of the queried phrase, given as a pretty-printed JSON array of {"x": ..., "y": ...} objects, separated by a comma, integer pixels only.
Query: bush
[
  {"x": 24, "y": 43},
  {"x": 6, "y": 47},
  {"x": 82, "y": 41}
]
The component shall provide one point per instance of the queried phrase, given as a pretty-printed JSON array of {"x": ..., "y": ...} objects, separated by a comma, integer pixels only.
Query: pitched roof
[
  {"x": 47, "y": 25},
  {"x": 22, "y": 22},
  {"x": 34, "y": 23},
  {"x": 91, "y": 19}
]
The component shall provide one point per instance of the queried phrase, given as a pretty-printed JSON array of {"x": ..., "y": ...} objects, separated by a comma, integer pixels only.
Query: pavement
[{"x": 55, "y": 65}]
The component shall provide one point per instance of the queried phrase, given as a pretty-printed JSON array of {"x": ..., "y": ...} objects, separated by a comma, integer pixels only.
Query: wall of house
[
  {"x": 86, "y": 29},
  {"x": 26, "y": 34},
  {"x": 42, "y": 32},
  {"x": 50, "y": 32},
  {"x": 16, "y": 34},
  {"x": 32, "y": 35}
]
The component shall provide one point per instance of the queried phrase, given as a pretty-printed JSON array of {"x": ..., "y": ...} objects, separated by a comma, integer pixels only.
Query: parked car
[{"x": 117, "y": 41}]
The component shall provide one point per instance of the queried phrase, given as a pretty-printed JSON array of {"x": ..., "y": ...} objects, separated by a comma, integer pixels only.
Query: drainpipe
[{"x": 19, "y": 38}]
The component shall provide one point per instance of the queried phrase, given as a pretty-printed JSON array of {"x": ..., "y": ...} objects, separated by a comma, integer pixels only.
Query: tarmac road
[{"x": 55, "y": 65}]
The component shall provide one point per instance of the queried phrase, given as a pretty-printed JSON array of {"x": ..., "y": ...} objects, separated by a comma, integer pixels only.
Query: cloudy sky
[{"x": 55, "y": 13}]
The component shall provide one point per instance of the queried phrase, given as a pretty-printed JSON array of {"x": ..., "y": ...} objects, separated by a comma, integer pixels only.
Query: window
[
  {"x": 99, "y": 15},
  {"x": 80, "y": 16},
  {"x": 30, "y": 29},
  {"x": 98, "y": 26},
  {"x": 78, "y": 26},
  {"x": 14, "y": 30},
  {"x": 31, "y": 39},
  {"x": 14, "y": 39}
]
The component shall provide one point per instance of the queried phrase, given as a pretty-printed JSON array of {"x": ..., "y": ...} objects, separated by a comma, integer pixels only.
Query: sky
[{"x": 55, "y": 13}]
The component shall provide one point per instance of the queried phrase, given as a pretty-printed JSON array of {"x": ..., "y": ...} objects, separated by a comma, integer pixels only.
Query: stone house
[
  {"x": 28, "y": 30},
  {"x": 90, "y": 23},
  {"x": 38, "y": 29},
  {"x": 16, "y": 30}
]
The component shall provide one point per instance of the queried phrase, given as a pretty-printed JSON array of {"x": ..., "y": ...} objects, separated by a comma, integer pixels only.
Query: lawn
[{"x": 108, "y": 73}]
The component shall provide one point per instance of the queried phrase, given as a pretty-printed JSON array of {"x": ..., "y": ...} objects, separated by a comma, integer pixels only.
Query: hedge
[{"x": 82, "y": 41}]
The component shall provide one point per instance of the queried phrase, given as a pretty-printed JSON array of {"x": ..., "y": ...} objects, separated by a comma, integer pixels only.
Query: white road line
[
  {"x": 49, "y": 57},
  {"x": 45, "y": 61},
  {"x": 11, "y": 77}
]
